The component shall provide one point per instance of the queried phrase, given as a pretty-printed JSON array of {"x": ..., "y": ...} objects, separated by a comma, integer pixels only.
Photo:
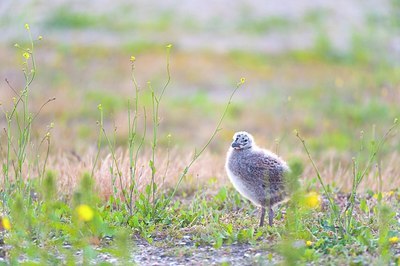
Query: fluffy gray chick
[{"x": 256, "y": 173}]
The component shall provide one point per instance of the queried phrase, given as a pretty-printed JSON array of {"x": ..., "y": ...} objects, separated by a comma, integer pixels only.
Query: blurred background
[{"x": 329, "y": 69}]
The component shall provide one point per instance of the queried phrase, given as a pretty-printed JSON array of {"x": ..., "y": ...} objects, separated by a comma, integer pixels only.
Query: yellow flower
[
  {"x": 394, "y": 240},
  {"x": 242, "y": 80},
  {"x": 26, "y": 55},
  {"x": 169, "y": 46},
  {"x": 312, "y": 200},
  {"x": 27, "y": 26},
  {"x": 85, "y": 213},
  {"x": 309, "y": 243},
  {"x": 5, "y": 222},
  {"x": 40, "y": 37},
  {"x": 133, "y": 59}
]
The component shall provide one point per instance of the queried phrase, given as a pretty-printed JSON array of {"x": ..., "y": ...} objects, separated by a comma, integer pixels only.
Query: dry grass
[
  {"x": 339, "y": 171},
  {"x": 207, "y": 174},
  {"x": 71, "y": 167}
]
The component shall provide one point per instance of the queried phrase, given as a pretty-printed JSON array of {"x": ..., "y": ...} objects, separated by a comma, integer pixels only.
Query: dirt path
[{"x": 187, "y": 253}]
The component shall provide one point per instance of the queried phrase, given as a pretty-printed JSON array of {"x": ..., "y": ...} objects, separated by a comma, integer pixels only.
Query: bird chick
[{"x": 256, "y": 173}]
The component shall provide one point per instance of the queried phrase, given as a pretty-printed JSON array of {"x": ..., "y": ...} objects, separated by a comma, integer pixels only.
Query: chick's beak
[{"x": 235, "y": 145}]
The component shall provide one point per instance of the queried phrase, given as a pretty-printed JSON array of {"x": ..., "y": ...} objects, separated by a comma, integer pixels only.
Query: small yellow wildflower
[
  {"x": 309, "y": 243},
  {"x": 312, "y": 200},
  {"x": 133, "y": 59},
  {"x": 242, "y": 80},
  {"x": 85, "y": 213},
  {"x": 169, "y": 46},
  {"x": 40, "y": 37},
  {"x": 390, "y": 193},
  {"x": 5, "y": 222},
  {"x": 394, "y": 240},
  {"x": 27, "y": 26},
  {"x": 26, "y": 55},
  {"x": 100, "y": 107}
]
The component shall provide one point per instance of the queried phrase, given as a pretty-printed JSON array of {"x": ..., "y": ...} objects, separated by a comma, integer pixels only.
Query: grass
[
  {"x": 64, "y": 18},
  {"x": 264, "y": 25},
  {"x": 134, "y": 192}
]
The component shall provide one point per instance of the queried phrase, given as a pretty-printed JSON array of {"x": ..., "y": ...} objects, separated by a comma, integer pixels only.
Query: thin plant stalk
[
  {"x": 134, "y": 162},
  {"x": 156, "y": 123},
  {"x": 132, "y": 134},
  {"x": 198, "y": 154},
  {"x": 24, "y": 126},
  {"x": 359, "y": 176},
  {"x": 99, "y": 139},
  {"x": 41, "y": 170},
  {"x": 115, "y": 161},
  {"x": 332, "y": 205}
]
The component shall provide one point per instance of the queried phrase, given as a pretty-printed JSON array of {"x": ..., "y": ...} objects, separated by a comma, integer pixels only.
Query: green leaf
[
  {"x": 148, "y": 189},
  {"x": 364, "y": 206},
  {"x": 134, "y": 221},
  {"x": 152, "y": 167},
  {"x": 218, "y": 242},
  {"x": 221, "y": 196}
]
